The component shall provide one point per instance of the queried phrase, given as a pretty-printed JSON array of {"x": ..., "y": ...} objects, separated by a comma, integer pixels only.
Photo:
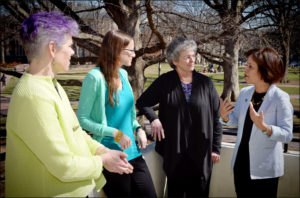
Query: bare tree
[
  {"x": 218, "y": 26},
  {"x": 125, "y": 14},
  {"x": 283, "y": 16},
  {"x": 233, "y": 14}
]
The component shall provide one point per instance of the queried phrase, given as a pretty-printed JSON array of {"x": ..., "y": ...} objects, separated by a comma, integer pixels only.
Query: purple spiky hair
[
  {"x": 54, "y": 22},
  {"x": 43, "y": 27}
]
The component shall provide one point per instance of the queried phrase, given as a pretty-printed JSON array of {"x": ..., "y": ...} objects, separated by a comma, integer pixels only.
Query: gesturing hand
[
  {"x": 115, "y": 161},
  {"x": 258, "y": 119},
  {"x": 157, "y": 130},
  {"x": 226, "y": 108},
  {"x": 142, "y": 138}
]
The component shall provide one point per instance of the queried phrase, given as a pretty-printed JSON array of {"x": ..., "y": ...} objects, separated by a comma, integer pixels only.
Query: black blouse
[{"x": 242, "y": 163}]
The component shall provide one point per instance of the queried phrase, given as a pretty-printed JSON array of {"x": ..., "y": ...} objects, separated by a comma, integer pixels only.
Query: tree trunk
[
  {"x": 285, "y": 57},
  {"x": 136, "y": 76},
  {"x": 136, "y": 71},
  {"x": 129, "y": 22},
  {"x": 231, "y": 75},
  {"x": 286, "y": 62},
  {"x": 2, "y": 49}
]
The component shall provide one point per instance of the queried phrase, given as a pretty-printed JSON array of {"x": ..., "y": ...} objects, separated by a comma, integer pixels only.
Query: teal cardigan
[{"x": 91, "y": 107}]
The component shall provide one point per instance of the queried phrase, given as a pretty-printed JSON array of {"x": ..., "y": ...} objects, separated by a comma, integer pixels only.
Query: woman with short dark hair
[{"x": 264, "y": 116}]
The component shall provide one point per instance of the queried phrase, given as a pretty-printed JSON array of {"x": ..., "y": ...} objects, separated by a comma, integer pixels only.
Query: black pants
[
  {"x": 247, "y": 187},
  {"x": 187, "y": 181},
  {"x": 137, "y": 184},
  {"x": 190, "y": 186}
]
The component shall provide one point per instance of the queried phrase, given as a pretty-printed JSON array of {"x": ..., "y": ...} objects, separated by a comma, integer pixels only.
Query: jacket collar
[{"x": 267, "y": 99}]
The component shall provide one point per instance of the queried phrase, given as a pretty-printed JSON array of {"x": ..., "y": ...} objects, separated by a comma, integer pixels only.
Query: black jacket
[{"x": 192, "y": 128}]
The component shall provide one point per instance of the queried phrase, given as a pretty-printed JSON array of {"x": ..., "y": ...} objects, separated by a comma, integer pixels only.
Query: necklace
[
  {"x": 257, "y": 102},
  {"x": 257, "y": 99}
]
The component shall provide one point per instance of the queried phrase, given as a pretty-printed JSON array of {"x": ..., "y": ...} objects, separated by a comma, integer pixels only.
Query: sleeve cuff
[
  {"x": 222, "y": 122},
  {"x": 153, "y": 118},
  {"x": 109, "y": 131}
]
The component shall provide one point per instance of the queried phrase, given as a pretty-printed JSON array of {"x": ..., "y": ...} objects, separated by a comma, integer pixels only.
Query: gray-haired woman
[{"x": 187, "y": 127}]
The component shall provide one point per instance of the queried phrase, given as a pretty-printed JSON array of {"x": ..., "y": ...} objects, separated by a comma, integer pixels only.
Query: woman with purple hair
[{"x": 47, "y": 152}]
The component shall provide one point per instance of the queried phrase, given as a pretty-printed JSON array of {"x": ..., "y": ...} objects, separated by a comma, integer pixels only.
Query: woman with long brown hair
[{"x": 106, "y": 109}]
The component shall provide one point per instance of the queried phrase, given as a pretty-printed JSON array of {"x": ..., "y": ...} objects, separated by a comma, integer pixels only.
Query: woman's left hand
[
  {"x": 142, "y": 138},
  {"x": 215, "y": 157},
  {"x": 258, "y": 119}
]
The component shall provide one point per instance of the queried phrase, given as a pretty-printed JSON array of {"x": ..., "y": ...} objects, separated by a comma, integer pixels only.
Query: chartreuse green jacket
[{"x": 47, "y": 152}]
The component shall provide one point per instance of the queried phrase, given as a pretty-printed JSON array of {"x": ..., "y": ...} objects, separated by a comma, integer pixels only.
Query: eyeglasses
[
  {"x": 189, "y": 57},
  {"x": 133, "y": 51}
]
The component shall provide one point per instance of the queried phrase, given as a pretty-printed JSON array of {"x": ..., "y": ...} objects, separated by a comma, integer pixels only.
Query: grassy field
[
  {"x": 72, "y": 79},
  {"x": 151, "y": 73}
]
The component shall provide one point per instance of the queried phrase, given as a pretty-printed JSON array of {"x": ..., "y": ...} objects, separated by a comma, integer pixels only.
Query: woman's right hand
[
  {"x": 157, "y": 130},
  {"x": 226, "y": 108},
  {"x": 125, "y": 141},
  {"x": 115, "y": 161}
]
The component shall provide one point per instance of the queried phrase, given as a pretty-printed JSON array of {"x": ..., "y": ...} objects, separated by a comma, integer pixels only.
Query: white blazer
[{"x": 266, "y": 153}]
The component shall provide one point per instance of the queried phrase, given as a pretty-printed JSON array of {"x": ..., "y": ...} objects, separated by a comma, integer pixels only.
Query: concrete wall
[
  {"x": 154, "y": 162},
  {"x": 222, "y": 184}
]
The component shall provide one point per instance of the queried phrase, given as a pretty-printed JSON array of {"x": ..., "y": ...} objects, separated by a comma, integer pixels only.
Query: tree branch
[
  {"x": 210, "y": 57},
  {"x": 68, "y": 11},
  {"x": 185, "y": 17},
  {"x": 41, "y": 2},
  {"x": 218, "y": 7},
  {"x": 155, "y": 60},
  {"x": 90, "y": 46},
  {"x": 15, "y": 10},
  {"x": 89, "y": 10},
  {"x": 253, "y": 13},
  {"x": 151, "y": 25},
  {"x": 148, "y": 50},
  {"x": 11, "y": 73}
]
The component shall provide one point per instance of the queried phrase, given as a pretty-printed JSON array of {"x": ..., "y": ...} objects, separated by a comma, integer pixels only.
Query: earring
[{"x": 53, "y": 63}]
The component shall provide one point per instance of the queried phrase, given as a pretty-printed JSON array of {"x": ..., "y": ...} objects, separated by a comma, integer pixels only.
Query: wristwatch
[{"x": 138, "y": 128}]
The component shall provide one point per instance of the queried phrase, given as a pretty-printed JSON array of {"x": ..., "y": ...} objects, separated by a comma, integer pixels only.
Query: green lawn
[
  {"x": 71, "y": 81},
  {"x": 73, "y": 92},
  {"x": 151, "y": 74},
  {"x": 289, "y": 90}
]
